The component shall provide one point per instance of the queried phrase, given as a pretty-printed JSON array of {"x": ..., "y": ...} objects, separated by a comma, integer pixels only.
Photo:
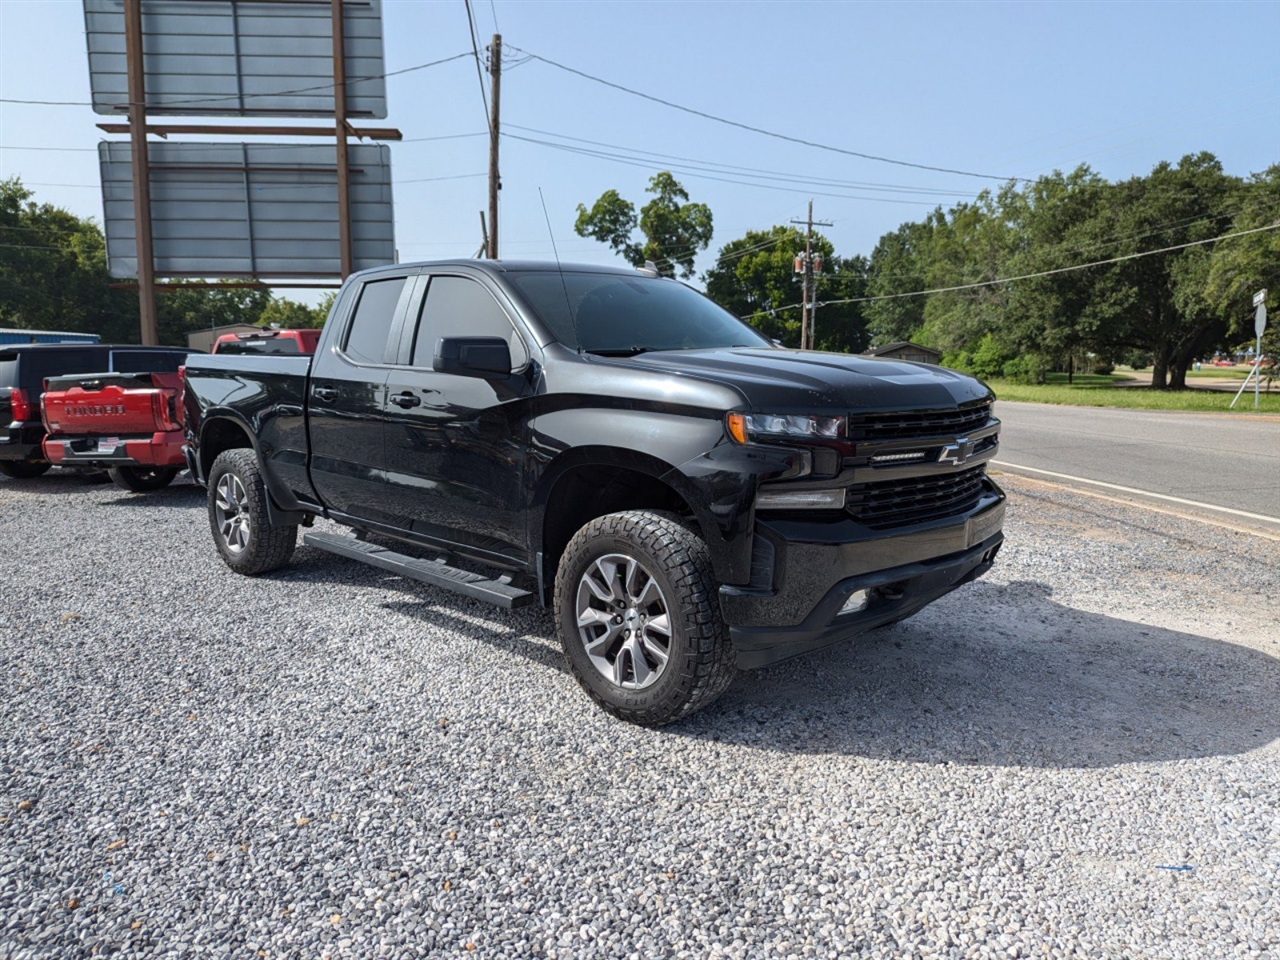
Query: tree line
[
  {"x": 992, "y": 283},
  {"x": 1135, "y": 305}
]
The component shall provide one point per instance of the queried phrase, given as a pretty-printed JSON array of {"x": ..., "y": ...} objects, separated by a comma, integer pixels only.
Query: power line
[
  {"x": 456, "y": 176},
  {"x": 53, "y": 149},
  {"x": 475, "y": 50},
  {"x": 1028, "y": 276},
  {"x": 277, "y": 93},
  {"x": 692, "y": 172},
  {"x": 735, "y": 168},
  {"x": 447, "y": 136},
  {"x": 761, "y": 130}
]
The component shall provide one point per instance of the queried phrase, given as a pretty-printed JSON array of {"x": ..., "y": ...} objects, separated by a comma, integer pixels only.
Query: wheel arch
[{"x": 590, "y": 482}]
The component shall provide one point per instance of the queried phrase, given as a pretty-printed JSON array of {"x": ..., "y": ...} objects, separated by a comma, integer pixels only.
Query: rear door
[
  {"x": 346, "y": 403},
  {"x": 454, "y": 449}
]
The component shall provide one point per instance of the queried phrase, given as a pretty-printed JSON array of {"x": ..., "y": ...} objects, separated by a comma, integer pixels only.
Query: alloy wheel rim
[
  {"x": 624, "y": 621},
  {"x": 231, "y": 511}
]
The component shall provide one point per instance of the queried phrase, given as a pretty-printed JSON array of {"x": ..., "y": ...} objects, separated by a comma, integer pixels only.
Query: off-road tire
[
  {"x": 266, "y": 546},
  {"x": 701, "y": 662},
  {"x": 142, "y": 479},
  {"x": 24, "y": 469}
]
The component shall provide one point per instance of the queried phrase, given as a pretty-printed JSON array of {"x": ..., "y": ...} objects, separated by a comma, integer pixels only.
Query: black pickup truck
[{"x": 689, "y": 497}]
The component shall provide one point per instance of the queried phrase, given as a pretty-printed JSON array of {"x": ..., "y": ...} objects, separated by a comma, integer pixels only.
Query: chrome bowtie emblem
[{"x": 956, "y": 453}]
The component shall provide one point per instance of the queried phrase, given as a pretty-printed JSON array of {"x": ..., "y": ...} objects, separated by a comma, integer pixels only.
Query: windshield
[{"x": 621, "y": 315}]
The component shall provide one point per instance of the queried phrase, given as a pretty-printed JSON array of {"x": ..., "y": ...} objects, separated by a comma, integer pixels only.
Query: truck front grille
[
  {"x": 925, "y": 423},
  {"x": 895, "y": 503}
]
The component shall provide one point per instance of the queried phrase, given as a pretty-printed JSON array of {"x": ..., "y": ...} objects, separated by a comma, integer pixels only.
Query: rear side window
[
  {"x": 367, "y": 338},
  {"x": 8, "y": 370},
  {"x": 39, "y": 365},
  {"x": 269, "y": 345},
  {"x": 146, "y": 361},
  {"x": 458, "y": 307}
]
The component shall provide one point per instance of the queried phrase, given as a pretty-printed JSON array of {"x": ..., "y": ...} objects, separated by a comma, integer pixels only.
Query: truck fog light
[
  {"x": 857, "y": 601},
  {"x": 800, "y": 499}
]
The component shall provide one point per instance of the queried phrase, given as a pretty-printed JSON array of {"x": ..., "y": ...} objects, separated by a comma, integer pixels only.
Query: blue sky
[{"x": 1007, "y": 89}]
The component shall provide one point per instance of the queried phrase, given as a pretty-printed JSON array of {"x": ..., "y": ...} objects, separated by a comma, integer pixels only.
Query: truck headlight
[{"x": 745, "y": 427}]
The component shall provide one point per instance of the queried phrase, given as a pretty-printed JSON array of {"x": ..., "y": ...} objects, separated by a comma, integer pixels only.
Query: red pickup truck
[
  {"x": 131, "y": 424},
  {"x": 127, "y": 423}
]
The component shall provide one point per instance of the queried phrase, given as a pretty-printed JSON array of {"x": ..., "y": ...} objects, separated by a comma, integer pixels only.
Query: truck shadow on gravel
[
  {"x": 1002, "y": 675},
  {"x": 990, "y": 675}
]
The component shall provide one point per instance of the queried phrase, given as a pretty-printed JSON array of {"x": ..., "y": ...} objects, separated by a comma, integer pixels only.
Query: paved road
[{"x": 1227, "y": 461}]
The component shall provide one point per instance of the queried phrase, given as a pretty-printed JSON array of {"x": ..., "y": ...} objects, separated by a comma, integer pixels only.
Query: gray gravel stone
[{"x": 1074, "y": 757}]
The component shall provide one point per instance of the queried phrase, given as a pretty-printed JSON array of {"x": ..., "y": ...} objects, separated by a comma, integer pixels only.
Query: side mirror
[{"x": 486, "y": 357}]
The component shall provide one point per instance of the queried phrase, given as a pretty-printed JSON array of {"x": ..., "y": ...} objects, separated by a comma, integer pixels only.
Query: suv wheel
[
  {"x": 142, "y": 479},
  {"x": 24, "y": 469},
  {"x": 635, "y": 607},
  {"x": 248, "y": 542}
]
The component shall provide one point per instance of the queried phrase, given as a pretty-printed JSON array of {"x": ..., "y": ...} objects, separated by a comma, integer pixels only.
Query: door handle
[
  {"x": 406, "y": 400},
  {"x": 325, "y": 393}
]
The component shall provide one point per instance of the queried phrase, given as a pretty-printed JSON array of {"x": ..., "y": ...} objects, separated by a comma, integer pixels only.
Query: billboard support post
[
  {"x": 150, "y": 333},
  {"x": 340, "y": 128}
]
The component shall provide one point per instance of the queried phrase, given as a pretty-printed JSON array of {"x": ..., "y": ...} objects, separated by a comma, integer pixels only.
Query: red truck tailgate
[{"x": 111, "y": 404}]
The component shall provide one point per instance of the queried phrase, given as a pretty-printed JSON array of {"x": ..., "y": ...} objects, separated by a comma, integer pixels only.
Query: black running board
[{"x": 497, "y": 591}]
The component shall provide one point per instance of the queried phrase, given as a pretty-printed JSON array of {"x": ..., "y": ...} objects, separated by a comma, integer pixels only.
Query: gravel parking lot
[{"x": 1075, "y": 757}]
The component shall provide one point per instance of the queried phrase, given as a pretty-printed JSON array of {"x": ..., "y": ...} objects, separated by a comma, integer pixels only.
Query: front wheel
[
  {"x": 24, "y": 469},
  {"x": 142, "y": 479},
  {"x": 247, "y": 540},
  {"x": 636, "y": 610}
]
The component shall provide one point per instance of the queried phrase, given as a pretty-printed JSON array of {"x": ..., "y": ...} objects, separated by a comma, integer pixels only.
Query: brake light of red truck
[
  {"x": 21, "y": 405},
  {"x": 182, "y": 373},
  {"x": 163, "y": 410}
]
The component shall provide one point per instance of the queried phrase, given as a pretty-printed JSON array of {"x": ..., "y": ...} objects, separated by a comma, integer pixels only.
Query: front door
[{"x": 454, "y": 466}]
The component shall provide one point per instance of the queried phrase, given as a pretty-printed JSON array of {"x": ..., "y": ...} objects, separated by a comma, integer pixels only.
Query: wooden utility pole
[
  {"x": 808, "y": 286},
  {"x": 340, "y": 129},
  {"x": 143, "y": 247},
  {"x": 495, "y": 182}
]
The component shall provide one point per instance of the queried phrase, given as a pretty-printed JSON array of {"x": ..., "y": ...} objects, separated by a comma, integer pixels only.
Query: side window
[
  {"x": 146, "y": 361},
  {"x": 367, "y": 337},
  {"x": 458, "y": 307}
]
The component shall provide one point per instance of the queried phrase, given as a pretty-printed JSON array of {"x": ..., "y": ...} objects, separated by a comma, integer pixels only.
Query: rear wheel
[
  {"x": 247, "y": 540},
  {"x": 635, "y": 607},
  {"x": 142, "y": 479},
  {"x": 24, "y": 469}
]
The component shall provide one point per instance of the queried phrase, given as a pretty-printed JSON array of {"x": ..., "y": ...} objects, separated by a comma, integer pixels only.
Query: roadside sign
[
  {"x": 1260, "y": 297},
  {"x": 1260, "y": 319}
]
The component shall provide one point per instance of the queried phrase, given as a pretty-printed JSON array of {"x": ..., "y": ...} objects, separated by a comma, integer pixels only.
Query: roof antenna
[{"x": 573, "y": 319}]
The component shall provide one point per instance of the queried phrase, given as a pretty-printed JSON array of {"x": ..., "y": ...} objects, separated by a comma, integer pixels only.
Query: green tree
[
  {"x": 674, "y": 229},
  {"x": 53, "y": 271},
  {"x": 183, "y": 310},
  {"x": 754, "y": 277},
  {"x": 291, "y": 315},
  {"x": 897, "y": 266},
  {"x": 1240, "y": 267},
  {"x": 1170, "y": 315}
]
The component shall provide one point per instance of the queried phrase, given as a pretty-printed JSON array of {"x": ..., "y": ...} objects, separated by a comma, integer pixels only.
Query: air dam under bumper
[{"x": 815, "y": 573}]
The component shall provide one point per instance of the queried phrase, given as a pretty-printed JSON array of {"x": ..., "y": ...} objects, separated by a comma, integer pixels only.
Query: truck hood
[{"x": 789, "y": 381}]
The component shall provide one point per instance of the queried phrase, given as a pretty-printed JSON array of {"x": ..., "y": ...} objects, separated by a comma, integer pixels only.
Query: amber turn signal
[{"x": 738, "y": 427}]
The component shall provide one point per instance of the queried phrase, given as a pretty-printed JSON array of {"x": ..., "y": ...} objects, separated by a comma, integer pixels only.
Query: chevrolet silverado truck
[{"x": 689, "y": 498}]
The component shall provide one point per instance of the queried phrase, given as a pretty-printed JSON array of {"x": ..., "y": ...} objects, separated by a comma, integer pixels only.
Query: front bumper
[
  {"x": 793, "y": 603},
  {"x": 157, "y": 450}
]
